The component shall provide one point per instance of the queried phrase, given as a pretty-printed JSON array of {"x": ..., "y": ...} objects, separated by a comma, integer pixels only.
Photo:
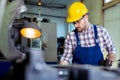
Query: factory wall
[
  {"x": 95, "y": 11},
  {"x": 112, "y": 24}
]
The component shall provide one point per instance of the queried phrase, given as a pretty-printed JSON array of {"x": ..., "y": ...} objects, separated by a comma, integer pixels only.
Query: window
[
  {"x": 110, "y": 3},
  {"x": 106, "y": 1}
]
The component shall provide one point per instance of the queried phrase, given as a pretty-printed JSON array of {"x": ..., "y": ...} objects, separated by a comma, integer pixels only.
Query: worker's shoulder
[
  {"x": 71, "y": 33},
  {"x": 101, "y": 28}
]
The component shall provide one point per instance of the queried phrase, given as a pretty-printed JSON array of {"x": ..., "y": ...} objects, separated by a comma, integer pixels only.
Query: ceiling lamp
[
  {"x": 30, "y": 30},
  {"x": 39, "y": 3}
]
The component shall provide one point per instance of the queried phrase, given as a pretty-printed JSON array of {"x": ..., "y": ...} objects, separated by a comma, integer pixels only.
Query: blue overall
[{"x": 87, "y": 55}]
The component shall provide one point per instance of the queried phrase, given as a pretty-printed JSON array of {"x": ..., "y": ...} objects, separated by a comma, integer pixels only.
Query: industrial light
[
  {"x": 39, "y": 3},
  {"x": 30, "y": 30}
]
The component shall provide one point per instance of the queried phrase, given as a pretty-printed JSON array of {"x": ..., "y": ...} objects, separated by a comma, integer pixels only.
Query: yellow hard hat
[{"x": 76, "y": 11}]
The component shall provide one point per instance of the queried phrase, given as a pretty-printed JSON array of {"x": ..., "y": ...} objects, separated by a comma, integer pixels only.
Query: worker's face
[{"x": 81, "y": 24}]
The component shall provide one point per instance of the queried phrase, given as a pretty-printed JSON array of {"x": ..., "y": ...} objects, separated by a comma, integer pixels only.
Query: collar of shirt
[{"x": 90, "y": 27}]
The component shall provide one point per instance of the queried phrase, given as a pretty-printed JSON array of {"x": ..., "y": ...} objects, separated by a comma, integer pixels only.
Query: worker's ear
[{"x": 86, "y": 16}]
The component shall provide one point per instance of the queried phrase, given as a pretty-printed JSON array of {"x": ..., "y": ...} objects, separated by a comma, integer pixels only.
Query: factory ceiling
[{"x": 60, "y": 4}]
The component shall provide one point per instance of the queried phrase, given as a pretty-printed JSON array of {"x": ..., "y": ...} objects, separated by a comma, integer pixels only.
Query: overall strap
[
  {"x": 77, "y": 38},
  {"x": 95, "y": 32}
]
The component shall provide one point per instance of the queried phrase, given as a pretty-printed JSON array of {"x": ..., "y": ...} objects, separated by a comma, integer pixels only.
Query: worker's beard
[{"x": 79, "y": 29}]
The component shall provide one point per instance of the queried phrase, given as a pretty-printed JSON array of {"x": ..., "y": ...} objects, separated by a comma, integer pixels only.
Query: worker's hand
[
  {"x": 111, "y": 58},
  {"x": 64, "y": 63}
]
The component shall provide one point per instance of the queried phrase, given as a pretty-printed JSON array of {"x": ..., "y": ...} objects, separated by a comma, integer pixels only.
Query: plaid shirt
[{"x": 87, "y": 40}]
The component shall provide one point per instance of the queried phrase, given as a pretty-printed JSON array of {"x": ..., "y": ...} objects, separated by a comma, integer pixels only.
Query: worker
[{"x": 85, "y": 44}]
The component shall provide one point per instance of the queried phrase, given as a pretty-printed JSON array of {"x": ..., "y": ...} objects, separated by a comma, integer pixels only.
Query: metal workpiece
[
  {"x": 102, "y": 75},
  {"x": 2, "y": 9},
  {"x": 115, "y": 71},
  {"x": 84, "y": 72},
  {"x": 8, "y": 13},
  {"x": 37, "y": 69}
]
